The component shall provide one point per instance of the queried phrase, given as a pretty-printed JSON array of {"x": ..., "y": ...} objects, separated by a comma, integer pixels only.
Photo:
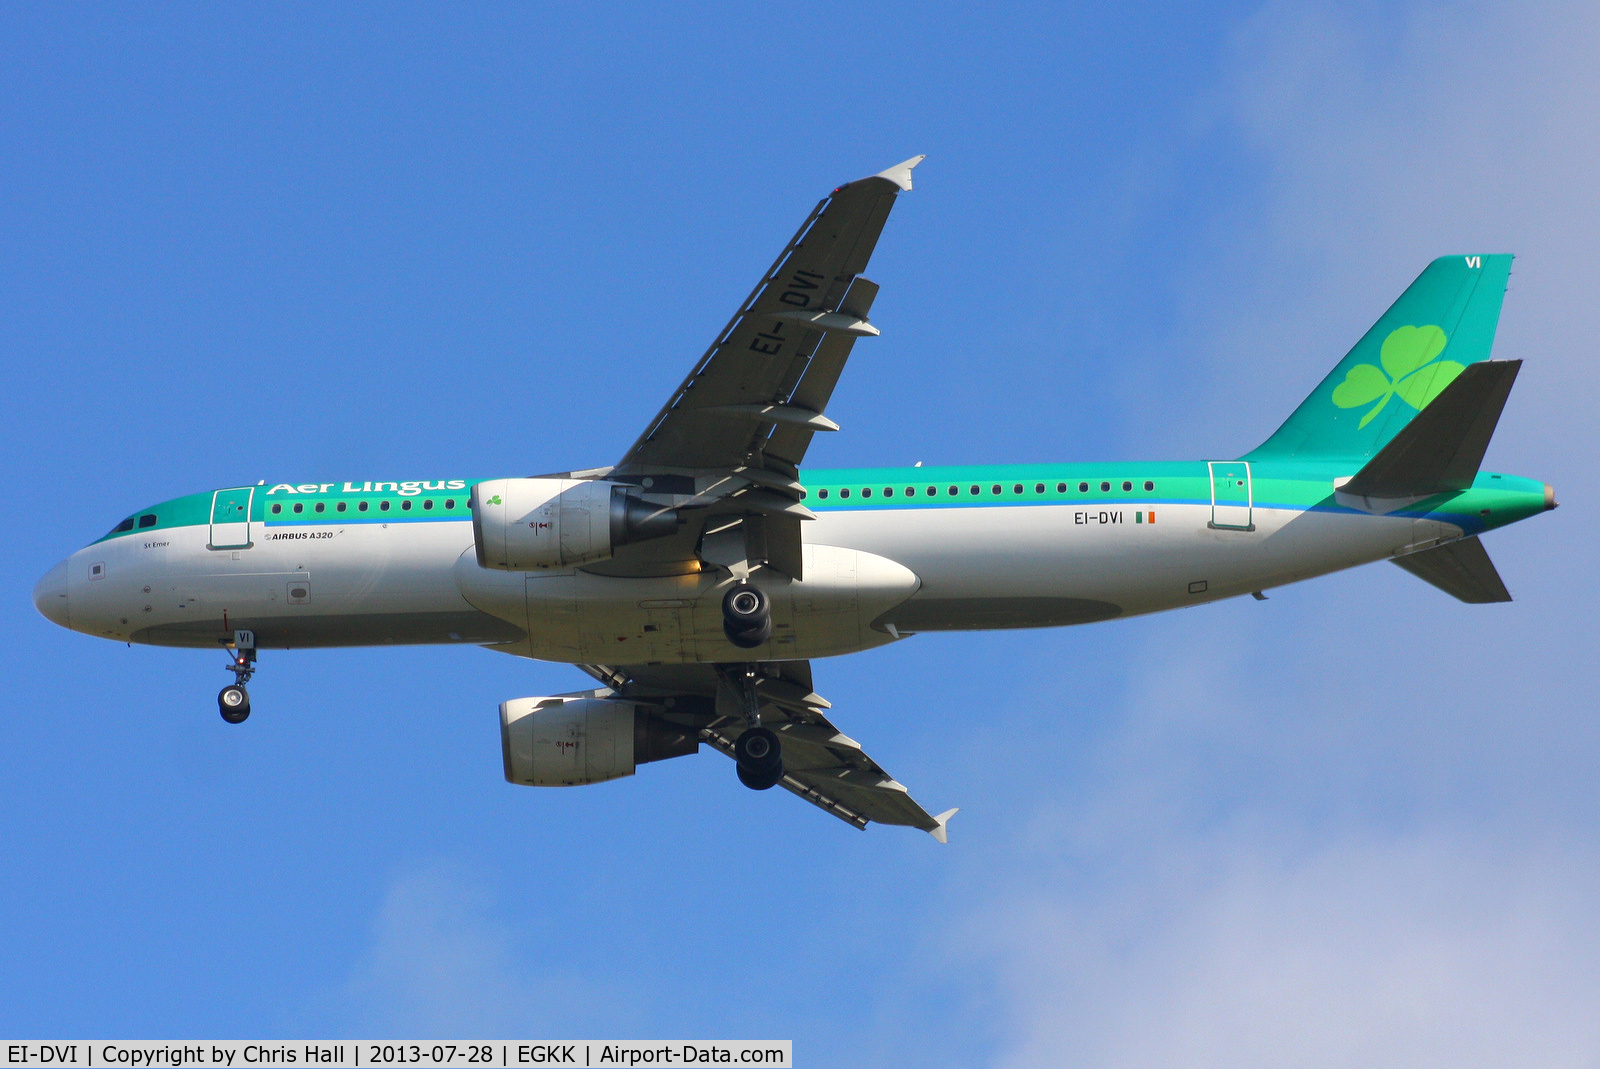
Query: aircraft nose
[{"x": 50, "y": 596}]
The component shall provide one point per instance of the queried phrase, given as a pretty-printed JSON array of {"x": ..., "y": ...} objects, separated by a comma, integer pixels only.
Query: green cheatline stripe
[{"x": 1301, "y": 486}]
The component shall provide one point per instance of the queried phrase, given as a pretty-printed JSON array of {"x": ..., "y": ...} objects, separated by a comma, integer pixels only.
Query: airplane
[{"x": 697, "y": 577}]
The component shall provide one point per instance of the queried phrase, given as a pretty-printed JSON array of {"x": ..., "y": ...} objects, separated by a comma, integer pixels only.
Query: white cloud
[{"x": 1411, "y": 950}]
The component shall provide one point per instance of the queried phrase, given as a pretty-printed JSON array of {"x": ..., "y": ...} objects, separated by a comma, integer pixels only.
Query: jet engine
[
  {"x": 570, "y": 739},
  {"x": 525, "y": 524}
]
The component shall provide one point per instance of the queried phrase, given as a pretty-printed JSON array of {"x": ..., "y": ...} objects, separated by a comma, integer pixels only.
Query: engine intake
[
  {"x": 526, "y": 524},
  {"x": 570, "y": 739}
]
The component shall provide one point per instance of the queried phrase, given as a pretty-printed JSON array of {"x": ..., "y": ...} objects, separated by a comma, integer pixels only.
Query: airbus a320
[{"x": 698, "y": 577}]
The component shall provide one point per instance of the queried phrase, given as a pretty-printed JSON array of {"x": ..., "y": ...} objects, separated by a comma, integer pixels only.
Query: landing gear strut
[
  {"x": 757, "y": 751},
  {"x": 233, "y": 702}
]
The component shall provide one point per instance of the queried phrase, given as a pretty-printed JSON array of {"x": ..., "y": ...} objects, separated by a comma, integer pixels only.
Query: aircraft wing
[
  {"x": 741, "y": 422},
  {"x": 821, "y": 764},
  {"x": 757, "y": 394}
]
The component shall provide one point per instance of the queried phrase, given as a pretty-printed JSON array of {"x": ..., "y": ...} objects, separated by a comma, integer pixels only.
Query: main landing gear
[
  {"x": 760, "y": 758},
  {"x": 757, "y": 752},
  {"x": 747, "y": 616},
  {"x": 233, "y": 702}
]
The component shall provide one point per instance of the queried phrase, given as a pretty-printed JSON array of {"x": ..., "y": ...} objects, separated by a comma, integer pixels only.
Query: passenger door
[{"x": 230, "y": 518}]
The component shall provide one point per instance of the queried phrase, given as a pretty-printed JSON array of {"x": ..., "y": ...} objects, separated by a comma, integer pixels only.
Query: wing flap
[{"x": 821, "y": 764}]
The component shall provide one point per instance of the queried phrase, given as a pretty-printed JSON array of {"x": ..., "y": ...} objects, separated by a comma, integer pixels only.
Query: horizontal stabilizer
[
  {"x": 1461, "y": 569},
  {"x": 1442, "y": 447}
]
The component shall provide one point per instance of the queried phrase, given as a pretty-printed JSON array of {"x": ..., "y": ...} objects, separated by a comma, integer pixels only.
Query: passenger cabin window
[
  {"x": 973, "y": 490},
  {"x": 405, "y": 506},
  {"x": 322, "y": 506},
  {"x": 822, "y": 494},
  {"x": 888, "y": 491},
  {"x": 995, "y": 489},
  {"x": 1105, "y": 488},
  {"x": 449, "y": 502},
  {"x": 362, "y": 507},
  {"x": 1061, "y": 488},
  {"x": 147, "y": 520},
  {"x": 1017, "y": 488},
  {"x": 383, "y": 506},
  {"x": 866, "y": 491},
  {"x": 844, "y": 493},
  {"x": 340, "y": 507},
  {"x": 276, "y": 509},
  {"x": 1038, "y": 488},
  {"x": 1083, "y": 488},
  {"x": 1148, "y": 485},
  {"x": 1126, "y": 486},
  {"x": 298, "y": 507}
]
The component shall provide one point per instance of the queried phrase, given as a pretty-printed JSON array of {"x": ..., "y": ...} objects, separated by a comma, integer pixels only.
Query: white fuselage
[{"x": 870, "y": 576}]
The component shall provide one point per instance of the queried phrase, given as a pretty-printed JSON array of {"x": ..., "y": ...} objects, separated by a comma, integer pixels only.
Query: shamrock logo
[
  {"x": 495, "y": 500},
  {"x": 1411, "y": 369}
]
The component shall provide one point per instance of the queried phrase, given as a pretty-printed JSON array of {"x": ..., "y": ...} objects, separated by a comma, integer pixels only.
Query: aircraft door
[
  {"x": 1231, "y": 496},
  {"x": 230, "y": 518}
]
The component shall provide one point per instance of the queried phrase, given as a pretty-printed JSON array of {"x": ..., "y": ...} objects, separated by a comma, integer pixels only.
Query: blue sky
[{"x": 1354, "y": 824}]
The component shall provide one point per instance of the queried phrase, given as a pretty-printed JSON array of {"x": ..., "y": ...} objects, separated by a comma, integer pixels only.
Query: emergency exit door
[
  {"x": 1231, "y": 500},
  {"x": 230, "y": 518}
]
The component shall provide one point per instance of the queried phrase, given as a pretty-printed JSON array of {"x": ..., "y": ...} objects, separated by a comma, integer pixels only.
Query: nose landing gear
[{"x": 233, "y": 702}]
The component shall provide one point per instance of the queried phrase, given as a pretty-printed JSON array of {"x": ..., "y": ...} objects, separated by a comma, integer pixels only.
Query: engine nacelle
[
  {"x": 569, "y": 739},
  {"x": 522, "y": 525}
]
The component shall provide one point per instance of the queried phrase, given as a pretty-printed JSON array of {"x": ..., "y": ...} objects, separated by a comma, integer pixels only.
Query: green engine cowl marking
[{"x": 1411, "y": 370}]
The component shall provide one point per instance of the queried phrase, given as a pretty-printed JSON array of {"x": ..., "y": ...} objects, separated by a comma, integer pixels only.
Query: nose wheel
[{"x": 233, "y": 701}]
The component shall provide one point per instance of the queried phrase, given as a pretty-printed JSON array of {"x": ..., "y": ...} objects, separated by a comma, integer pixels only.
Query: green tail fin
[{"x": 1444, "y": 321}]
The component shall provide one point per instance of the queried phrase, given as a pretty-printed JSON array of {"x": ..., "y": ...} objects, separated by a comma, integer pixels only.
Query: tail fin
[
  {"x": 1444, "y": 321},
  {"x": 1443, "y": 446}
]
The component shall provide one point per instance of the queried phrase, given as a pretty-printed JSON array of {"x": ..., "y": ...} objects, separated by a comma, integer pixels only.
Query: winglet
[
  {"x": 900, "y": 175},
  {"x": 938, "y": 831}
]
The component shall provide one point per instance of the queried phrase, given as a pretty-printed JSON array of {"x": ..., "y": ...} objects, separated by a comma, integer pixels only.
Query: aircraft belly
[
  {"x": 1049, "y": 566},
  {"x": 582, "y": 617}
]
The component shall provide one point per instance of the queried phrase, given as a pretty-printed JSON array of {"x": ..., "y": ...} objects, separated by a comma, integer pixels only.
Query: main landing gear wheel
[
  {"x": 760, "y": 781},
  {"x": 760, "y": 758},
  {"x": 234, "y": 703},
  {"x": 747, "y": 616}
]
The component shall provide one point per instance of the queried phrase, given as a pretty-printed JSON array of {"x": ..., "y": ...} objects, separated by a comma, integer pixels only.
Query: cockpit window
[
  {"x": 147, "y": 520},
  {"x": 125, "y": 525}
]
